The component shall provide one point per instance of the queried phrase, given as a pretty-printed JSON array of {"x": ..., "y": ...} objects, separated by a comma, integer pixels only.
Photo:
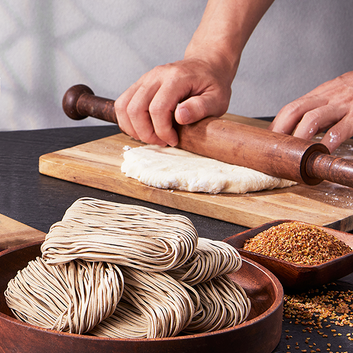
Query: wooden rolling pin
[{"x": 272, "y": 153}]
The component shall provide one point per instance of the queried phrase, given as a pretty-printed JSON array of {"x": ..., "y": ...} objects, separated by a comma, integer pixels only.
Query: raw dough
[{"x": 173, "y": 168}]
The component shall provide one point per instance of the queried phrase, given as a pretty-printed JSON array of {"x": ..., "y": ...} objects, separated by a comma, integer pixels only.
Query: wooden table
[{"x": 39, "y": 201}]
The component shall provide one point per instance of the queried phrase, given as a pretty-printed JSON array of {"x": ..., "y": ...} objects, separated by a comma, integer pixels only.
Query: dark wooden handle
[
  {"x": 279, "y": 155},
  {"x": 331, "y": 168},
  {"x": 79, "y": 102}
]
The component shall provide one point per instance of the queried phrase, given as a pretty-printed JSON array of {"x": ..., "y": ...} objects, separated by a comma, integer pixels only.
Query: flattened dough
[{"x": 173, "y": 168}]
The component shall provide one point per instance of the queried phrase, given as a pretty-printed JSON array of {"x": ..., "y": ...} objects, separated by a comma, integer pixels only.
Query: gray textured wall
[{"x": 48, "y": 45}]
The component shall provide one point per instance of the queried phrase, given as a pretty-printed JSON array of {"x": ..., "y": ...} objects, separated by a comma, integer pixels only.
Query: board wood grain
[
  {"x": 13, "y": 233},
  {"x": 97, "y": 164}
]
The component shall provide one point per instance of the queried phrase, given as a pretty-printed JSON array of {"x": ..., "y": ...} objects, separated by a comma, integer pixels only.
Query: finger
[
  {"x": 162, "y": 108},
  {"x": 120, "y": 106},
  {"x": 139, "y": 114},
  {"x": 198, "y": 107},
  {"x": 289, "y": 116},
  {"x": 318, "y": 120},
  {"x": 339, "y": 133}
]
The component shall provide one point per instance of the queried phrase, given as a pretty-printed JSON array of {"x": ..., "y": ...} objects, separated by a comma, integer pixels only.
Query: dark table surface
[{"x": 39, "y": 201}]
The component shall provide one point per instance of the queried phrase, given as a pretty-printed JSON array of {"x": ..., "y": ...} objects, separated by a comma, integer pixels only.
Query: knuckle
[
  {"x": 292, "y": 108},
  {"x": 312, "y": 116},
  {"x": 157, "y": 108},
  {"x": 146, "y": 136},
  {"x": 171, "y": 73},
  {"x": 162, "y": 71},
  {"x": 133, "y": 109},
  {"x": 158, "y": 70},
  {"x": 119, "y": 106},
  {"x": 311, "y": 121}
]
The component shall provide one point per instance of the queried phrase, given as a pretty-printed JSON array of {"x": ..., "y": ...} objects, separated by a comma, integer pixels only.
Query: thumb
[{"x": 198, "y": 107}]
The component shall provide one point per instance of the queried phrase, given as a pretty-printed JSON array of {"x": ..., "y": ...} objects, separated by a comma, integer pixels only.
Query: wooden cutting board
[
  {"x": 97, "y": 164},
  {"x": 13, "y": 233}
]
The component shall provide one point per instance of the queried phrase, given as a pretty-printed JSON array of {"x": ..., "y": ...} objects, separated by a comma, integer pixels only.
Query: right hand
[
  {"x": 187, "y": 90},
  {"x": 327, "y": 107}
]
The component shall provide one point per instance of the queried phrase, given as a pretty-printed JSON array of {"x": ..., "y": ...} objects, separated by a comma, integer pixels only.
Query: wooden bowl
[
  {"x": 260, "y": 333},
  {"x": 294, "y": 276}
]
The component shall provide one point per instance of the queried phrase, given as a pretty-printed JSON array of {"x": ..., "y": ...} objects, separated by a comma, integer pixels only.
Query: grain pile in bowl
[
  {"x": 123, "y": 271},
  {"x": 299, "y": 243}
]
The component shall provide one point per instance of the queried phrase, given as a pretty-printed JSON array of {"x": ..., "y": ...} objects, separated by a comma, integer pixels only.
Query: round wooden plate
[{"x": 260, "y": 333}]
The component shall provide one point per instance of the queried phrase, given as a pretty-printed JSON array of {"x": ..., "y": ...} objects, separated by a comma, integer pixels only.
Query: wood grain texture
[
  {"x": 13, "y": 233},
  {"x": 97, "y": 164}
]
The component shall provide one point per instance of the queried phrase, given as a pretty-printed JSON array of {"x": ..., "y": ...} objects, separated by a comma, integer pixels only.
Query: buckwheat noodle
[
  {"x": 73, "y": 297},
  {"x": 134, "y": 236},
  {"x": 224, "y": 304},
  {"x": 125, "y": 271},
  {"x": 210, "y": 259},
  {"x": 153, "y": 305}
]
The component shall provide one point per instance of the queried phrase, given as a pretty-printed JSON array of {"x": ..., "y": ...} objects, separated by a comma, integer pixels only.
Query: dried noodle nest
[
  {"x": 210, "y": 259},
  {"x": 224, "y": 304},
  {"x": 73, "y": 297},
  {"x": 125, "y": 271},
  {"x": 158, "y": 306},
  {"x": 134, "y": 236}
]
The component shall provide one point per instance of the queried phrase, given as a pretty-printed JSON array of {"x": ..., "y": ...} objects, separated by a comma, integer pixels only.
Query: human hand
[
  {"x": 187, "y": 90},
  {"x": 329, "y": 106}
]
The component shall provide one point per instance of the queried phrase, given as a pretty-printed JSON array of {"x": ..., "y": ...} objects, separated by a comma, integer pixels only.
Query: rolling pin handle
[
  {"x": 331, "y": 168},
  {"x": 79, "y": 102}
]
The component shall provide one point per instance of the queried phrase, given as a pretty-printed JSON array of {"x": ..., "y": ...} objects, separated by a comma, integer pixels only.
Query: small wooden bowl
[
  {"x": 260, "y": 333},
  {"x": 294, "y": 276}
]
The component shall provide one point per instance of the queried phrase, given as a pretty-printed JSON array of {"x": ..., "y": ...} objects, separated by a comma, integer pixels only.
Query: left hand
[{"x": 329, "y": 106}]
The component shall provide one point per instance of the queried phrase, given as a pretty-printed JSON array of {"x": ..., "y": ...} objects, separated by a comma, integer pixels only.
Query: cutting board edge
[{"x": 14, "y": 233}]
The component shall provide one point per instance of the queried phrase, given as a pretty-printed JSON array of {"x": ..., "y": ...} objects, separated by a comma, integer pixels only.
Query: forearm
[{"x": 224, "y": 30}]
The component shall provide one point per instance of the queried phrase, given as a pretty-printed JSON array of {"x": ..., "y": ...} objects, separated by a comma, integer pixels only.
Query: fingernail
[{"x": 184, "y": 115}]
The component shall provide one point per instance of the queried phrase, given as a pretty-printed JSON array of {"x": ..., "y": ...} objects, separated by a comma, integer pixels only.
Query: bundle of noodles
[
  {"x": 154, "y": 305},
  {"x": 168, "y": 280},
  {"x": 210, "y": 259},
  {"x": 72, "y": 297},
  {"x": 134, "y": 236},
  {"x": 224, "y": 304},
  {"x": 146, "y": 312}
]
